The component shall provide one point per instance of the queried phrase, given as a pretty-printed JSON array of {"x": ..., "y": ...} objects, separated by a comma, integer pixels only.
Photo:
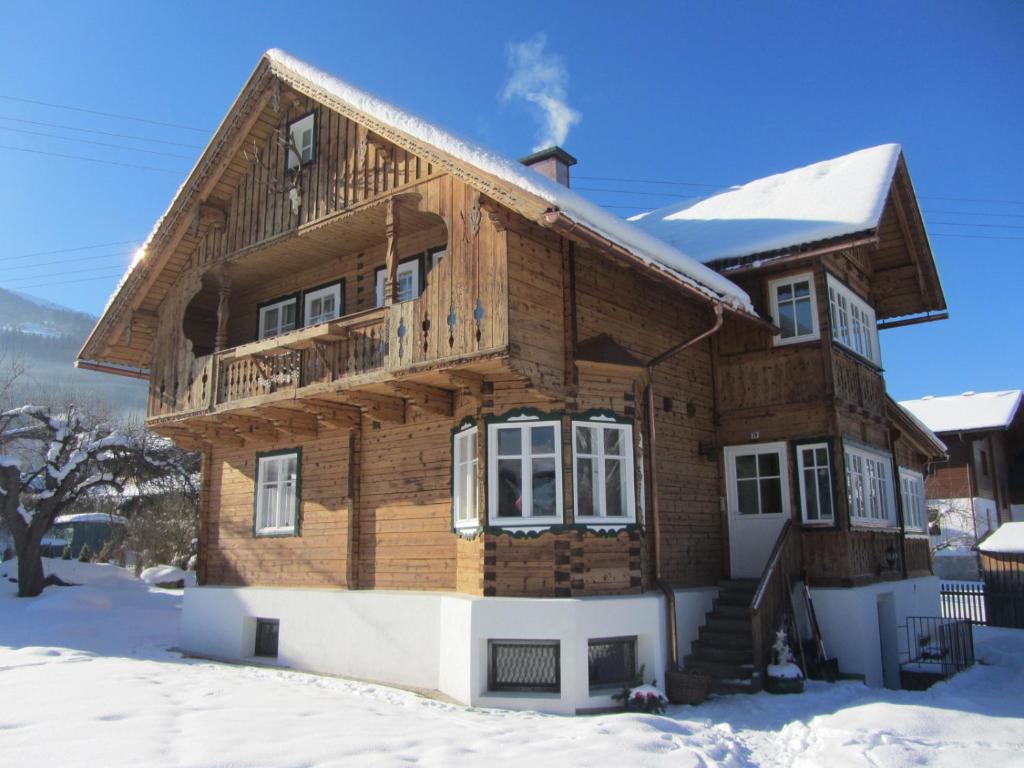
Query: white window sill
[
  {"x": 526, "y": 522},
  {"x": 916, "y": 534},
  {"x": 289, "y": 531},
  {"x": 861, "y": 525},
  {"x": 780, "y": 342},
  {"x": 818, "y": 523},
  {"x": 605, "y": 523}
]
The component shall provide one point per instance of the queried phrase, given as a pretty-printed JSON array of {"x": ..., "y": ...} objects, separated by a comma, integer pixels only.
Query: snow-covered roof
[
  {"x": 91, "y": 517},
  {"x": 584, "y": 212},
  {"x": 969, "y": 411},
  {"x": 923, "y": 427},
  {"x": 1008, "y": 538},
  {"x": 837, "y": 197}
]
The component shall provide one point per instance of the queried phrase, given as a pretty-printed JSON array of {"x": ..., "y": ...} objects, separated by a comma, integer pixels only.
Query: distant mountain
[{"x": 45, "y": 338}]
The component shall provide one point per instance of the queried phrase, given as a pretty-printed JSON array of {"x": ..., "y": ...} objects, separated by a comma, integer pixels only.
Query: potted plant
[
  {"x": 639, "y": 697},
  {"x": 784, "y": 675}
]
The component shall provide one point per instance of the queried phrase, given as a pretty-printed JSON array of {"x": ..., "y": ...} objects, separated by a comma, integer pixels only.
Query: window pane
[
  {"x": 543, "y": 488},
  {"x": 292, "y": 465},
  {"x": 585, "y": 440},
  {"x": 510, "y": 488},
  {"x": 460, "y": 491},
  {"x": 747, "y": 493},
  {"x": 804, "y": 319},
  {"x": 801, "y": 289},
  {"x": 406, "y": 289},
  {"x": 287, "y": 502},
  {"x": 746, "y": 466},
  {"x": 613, "y": 442},
  {"x": 542, "y": 440},
  {"x": 270, "y": 322},
  {"x": 288, "y": 316},
  {"x": 821, "y": 457},
  {"x": 786, "y": 321},
  {"x": 811, "y": 494},
  {"x": 468, "y": 450},
  {"x": 265, "y": 507},
  {"x": 768, "y": 464},
  {"x": 785, "y": 292},
  {"x": 614, "y": 495},
  {"x": 585, "y": 471},
  {"x": 824, "y": 494},
  {"x": 510, "y": 441},
  {"x": 771, "y": 496}
]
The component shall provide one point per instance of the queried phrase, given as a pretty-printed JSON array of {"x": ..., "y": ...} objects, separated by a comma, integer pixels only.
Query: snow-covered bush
[{"x": 85, "y": 554}]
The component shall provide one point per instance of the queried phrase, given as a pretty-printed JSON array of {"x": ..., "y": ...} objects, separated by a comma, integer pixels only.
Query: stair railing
[{"x": 770, "y": 600}]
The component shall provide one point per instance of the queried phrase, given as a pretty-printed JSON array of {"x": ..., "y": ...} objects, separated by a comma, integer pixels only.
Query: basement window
[
  {"x": 794, "y": 308},
  {"x": 603, "y": 471},
  {"x": 277, "y": 493},
  {"x": 267, "y": 631},
  {"x": 278, "y": 317},
  {"x": 525, "y": 472},
  {"x": 524, "y": 665},
  {"x": 611, "y": 662},
  {"x": 302, "y": 137}
]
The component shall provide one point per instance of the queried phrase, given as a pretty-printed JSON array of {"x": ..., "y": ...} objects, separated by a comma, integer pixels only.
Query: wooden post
[
  {"x": 223, "y": 295},
  {"x": 391, "y": 255}
]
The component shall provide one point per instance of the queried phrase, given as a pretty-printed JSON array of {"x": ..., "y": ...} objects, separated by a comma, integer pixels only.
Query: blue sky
[{"x": 708, "y": 93}]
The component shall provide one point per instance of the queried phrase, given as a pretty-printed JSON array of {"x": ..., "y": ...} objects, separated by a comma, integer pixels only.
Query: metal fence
[
  {"x": 939, "y": 646},
  {"x": 964, "y": 600}
]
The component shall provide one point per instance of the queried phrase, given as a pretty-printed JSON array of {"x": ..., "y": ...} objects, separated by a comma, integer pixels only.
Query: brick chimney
[{"x": 553, "y": 162}]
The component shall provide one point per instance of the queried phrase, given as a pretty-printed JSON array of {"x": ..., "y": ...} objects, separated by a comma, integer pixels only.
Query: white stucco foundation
[
  {"x": 849, "y": 621},
  {"x": 437, "y": 641}
]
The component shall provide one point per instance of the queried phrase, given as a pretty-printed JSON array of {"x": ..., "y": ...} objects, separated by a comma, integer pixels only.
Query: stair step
[
  {"x": 725, "y": 639},
  {"x": 728, "y": 597},
  {"x": 703, "y": 651},
  {"x": 731, "y": 611},
  {"x": 739, "y": 585},
  {"x": 726, "y": 670},
  {"x": 735, "y": 624}
]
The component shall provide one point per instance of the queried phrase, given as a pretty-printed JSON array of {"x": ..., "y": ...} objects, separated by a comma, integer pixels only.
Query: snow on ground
[{"x": 87, "y": 678}]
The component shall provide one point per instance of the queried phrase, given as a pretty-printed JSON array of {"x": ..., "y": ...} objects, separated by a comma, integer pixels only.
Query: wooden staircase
[{"x": 724, "y": 648}]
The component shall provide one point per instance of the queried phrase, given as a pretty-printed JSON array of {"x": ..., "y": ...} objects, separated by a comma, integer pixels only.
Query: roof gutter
[
  {"x": 760, "y": 260},
  {"x": 652, "y": 433},
  {"x": 564, "y": 225}
]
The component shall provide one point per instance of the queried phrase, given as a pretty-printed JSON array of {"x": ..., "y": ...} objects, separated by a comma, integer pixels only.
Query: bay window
[
  {"x": 524, "y": 472},
  {"x": 603, "y": 471},
  {"x": 794, "y": 308},
  {"x": 853, "y": 322},
  {"x": 869, "y": 486}
]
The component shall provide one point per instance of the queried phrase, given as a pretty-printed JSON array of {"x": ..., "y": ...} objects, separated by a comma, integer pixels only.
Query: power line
[
  {"x": 975, "y": 237},
  {"x": 105, "y": 114},
  {"x": 972, "y": 224},
  {"x": 89, "y": 159},
  {"x": 86, "y": 271},
  {"x": 653, "y": 181},
  {"x": 973, "y": 199},
  {"x": 69, "y": 282},
  {"x": 72, "y": 260},
  {"x": 975, "y": 213},
  {"x": 629, "y": 192},
  {"x": 97, "y": 143},
  {"x": 100, "y": 133},
  {"x": 69, "y": 250}
]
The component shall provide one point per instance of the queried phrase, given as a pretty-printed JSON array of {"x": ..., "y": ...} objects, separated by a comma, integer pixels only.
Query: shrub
[
  {"x": 84, "y": 554},
  {"x": 66, "y": 552}
]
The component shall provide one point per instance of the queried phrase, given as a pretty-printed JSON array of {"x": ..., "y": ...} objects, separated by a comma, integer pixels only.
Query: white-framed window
[
  {"x": 465, "y": 478},
  {"x": 869, "y": 486},
  {"x": 524, "y": 471},
  {"x": 602, "y": 460},
  {"x": 322, "y": 305},
  {"x": 408, "y": 281},
  {"x": 302, "y": 136},
  {"x": 915, "y": 510},
  {"x": 853, "y": 321},
  {"x": 815, "y": 472},
  {"x": 278, "y": 317},
  {"x": 794, "y": 308},
  {"x": 756, "y": 479},
  {"x": 277, "y": 494}
]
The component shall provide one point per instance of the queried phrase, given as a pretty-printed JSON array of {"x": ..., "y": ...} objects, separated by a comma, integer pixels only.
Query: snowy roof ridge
[
  {"x": 925, "y": 429},
  {"x": 841, "y": 196},
  {"x": 1008, "y": 538},
  {"x": 967, "y": 411},
  {"x": 632, "y": 238}
]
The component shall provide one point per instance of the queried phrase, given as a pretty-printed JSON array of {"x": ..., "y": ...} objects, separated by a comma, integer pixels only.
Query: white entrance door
[{"x": 757, "y": 496}]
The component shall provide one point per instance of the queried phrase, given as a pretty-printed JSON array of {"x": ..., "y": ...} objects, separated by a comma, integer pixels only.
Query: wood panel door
[{"x": 757, "y": 498}]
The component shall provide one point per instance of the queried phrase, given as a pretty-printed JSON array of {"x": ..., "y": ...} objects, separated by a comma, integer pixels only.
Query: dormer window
[
  {"x": 794, "y": 308},
  {"x": 302, "y": 136}
]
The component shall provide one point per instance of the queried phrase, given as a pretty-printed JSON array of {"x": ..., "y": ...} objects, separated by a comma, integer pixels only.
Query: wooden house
[{"x": 463, "y": 430}]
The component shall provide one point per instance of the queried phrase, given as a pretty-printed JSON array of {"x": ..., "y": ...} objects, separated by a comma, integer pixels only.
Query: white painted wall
[
  {"x": 848, "y": 618},
  {"x": 436, "y": 640}
]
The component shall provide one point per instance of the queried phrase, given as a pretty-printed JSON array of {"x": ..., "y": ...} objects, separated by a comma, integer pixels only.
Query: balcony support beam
[
  {"x": 424, "y": 397},
  {"x": 391, "y": 252},
  {"x": 379, "y": 407},
  {"x": 223, "y": 297}
]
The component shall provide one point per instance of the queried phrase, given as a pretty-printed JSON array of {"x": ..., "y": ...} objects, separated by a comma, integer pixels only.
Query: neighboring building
[
  {"x": 1002, "y": 568},
  {"x": 464, "y": 430},
  {"x": 981, "y": 484},
  {"x": 94, "y": 529}
]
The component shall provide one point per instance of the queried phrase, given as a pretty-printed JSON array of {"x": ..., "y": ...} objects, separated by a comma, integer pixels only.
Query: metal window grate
[
  {"x": 611, "y": 661},
  {"x": 266, "y": 637},
  {"x": 524, "y": 665}
]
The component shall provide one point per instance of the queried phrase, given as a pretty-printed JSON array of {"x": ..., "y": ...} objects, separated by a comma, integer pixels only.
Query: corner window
[
  {"x": 277, "y": 492},
  {"x": 869, "y": 486},
  {"x": 815, "y": 473},
  {"x": 915, "y": 511},
  {"x": 302, "y": 137},
  {"x": 603, "y": 472},
  {"x": 465, "y": 482},
  {"x": 611, "y": 662},
  {"x": 323, "y": 304},
  {"x": 277, "y": 317},
  {"x": 794, "y": 308},
  {"x": 853, "y": 322},
  {"x": 408, "y": 281},
  {"x": 524, "y": 473},
  {"x": 756, "y": 481}
]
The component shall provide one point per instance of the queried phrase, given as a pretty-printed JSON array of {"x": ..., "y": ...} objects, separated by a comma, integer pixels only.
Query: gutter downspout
[{"x": 670, "y": 598}]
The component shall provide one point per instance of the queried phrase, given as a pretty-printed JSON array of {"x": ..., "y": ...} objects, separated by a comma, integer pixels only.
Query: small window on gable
[
  {"x": 278, "y": 317},
  {"x": 302, "y": 137},
  {"x": 794, "y": 308},
  {"x": 603, "y": 486},
  {"x": 323, "y": 304},
  {"x": 815, "y": 474},
  {"x": 408, "y": 281},
  {"x": 465, "y": 478},
  {"x": 277, "y": 494},
  {"x": 524, "y": 472}
]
